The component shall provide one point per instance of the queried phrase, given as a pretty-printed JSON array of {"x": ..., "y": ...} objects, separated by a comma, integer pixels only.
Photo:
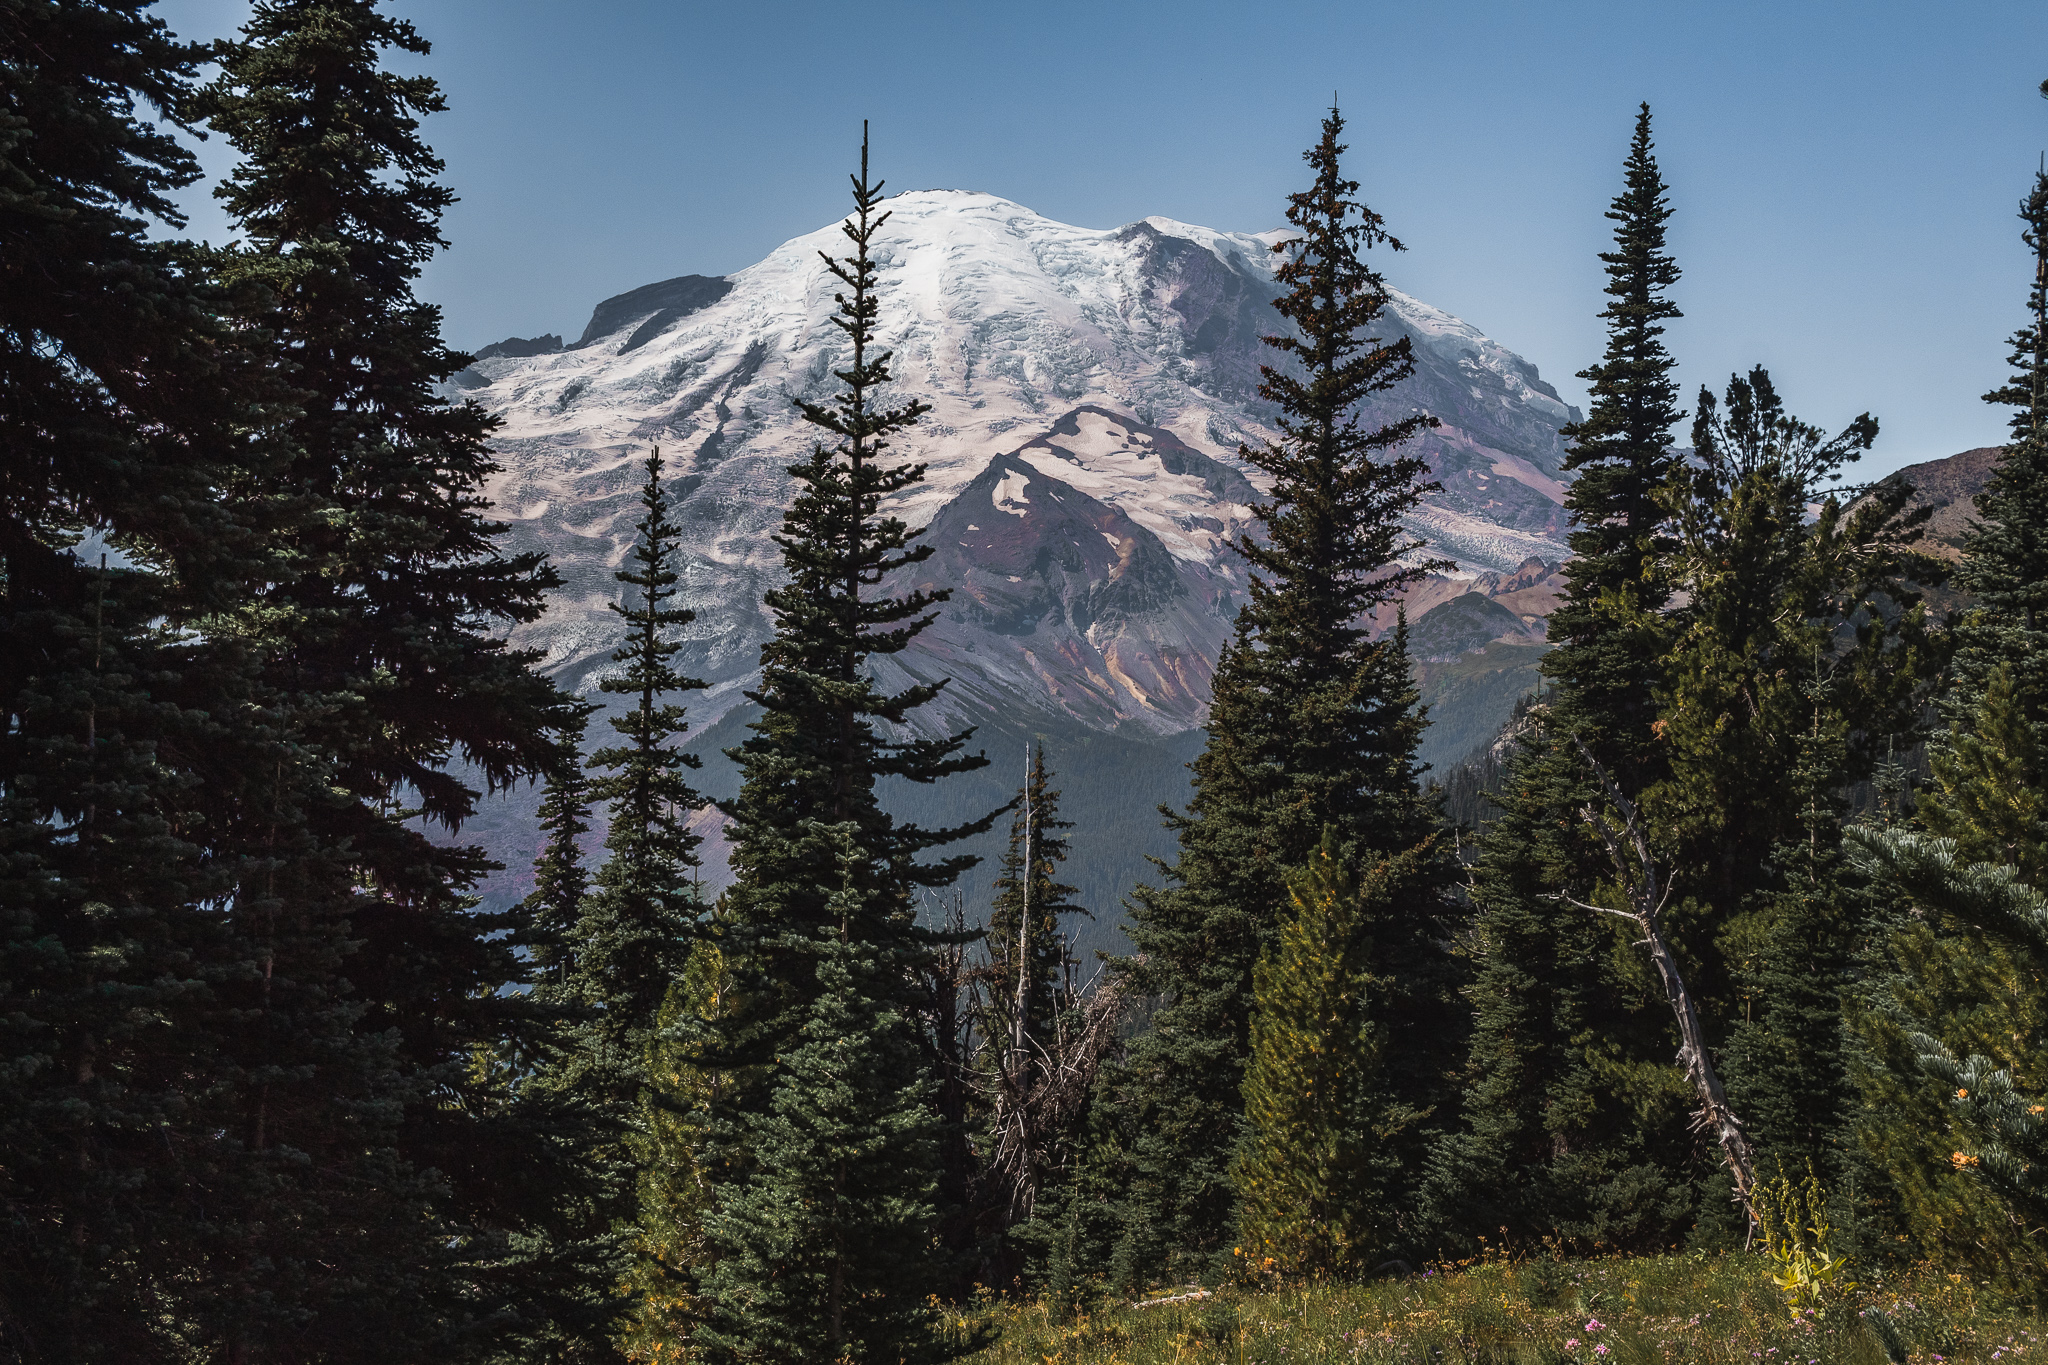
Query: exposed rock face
[
  {"x": 1950, "y": 486},
  {"x": 1090, "y": 390},
  {"x": 1115, "y": 371}
]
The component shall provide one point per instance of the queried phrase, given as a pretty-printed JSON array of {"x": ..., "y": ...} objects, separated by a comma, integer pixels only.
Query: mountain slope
[{"x": 1089, "y": 388}]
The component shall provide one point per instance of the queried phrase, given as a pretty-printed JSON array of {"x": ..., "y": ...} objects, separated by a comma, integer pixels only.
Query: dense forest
[{"x": 1746, "y": 906}]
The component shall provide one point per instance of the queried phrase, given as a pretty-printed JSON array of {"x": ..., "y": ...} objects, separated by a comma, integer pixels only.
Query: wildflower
[
  {"x": 1962, "y": 1094},
  {"x": 1601, "y": 1349},
  {"x": 1572, "y": 1345},
  {"x": 1594, "y": 1324}
]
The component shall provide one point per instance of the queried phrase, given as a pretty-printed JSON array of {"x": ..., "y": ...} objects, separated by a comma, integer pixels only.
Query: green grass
[{"x": 1694, "y": 1309}]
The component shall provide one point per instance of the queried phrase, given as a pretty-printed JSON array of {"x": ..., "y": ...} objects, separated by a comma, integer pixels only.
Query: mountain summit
[{"x": 1090, "y": 388}]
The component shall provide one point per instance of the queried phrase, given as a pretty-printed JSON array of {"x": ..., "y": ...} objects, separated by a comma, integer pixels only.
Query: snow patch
[{"x": 1008, "y": 494}]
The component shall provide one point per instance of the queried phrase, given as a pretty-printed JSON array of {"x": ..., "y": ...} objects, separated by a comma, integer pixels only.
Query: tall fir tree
[
  {"x": 1575, "y": 1125},
  {"x": 569, "y": 1256},
  {"x": 1947, "y": 985},
  {"x": 672, "y": 1248},
  {"x": 1328, "y": 1157},
  {"x": 1800, "y": 658},
  {"x": 606, "y": 956},
  {"x": 2005, "y": 556},
  {"x": 1605, "y": 662},
  {"x": 1312, "y": 723},
  {"x": 633, "y": 934},
  {"x": 821, "y": 1127},
  {"x": 169, "y": 931},
  {"x": 387, "y": 642}
]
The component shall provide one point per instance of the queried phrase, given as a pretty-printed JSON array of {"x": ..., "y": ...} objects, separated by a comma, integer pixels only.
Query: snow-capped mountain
[{"x": 1089, "y": 391}]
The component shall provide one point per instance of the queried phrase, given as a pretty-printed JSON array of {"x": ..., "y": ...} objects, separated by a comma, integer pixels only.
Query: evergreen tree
[
  {"x": 1949, "y": 982},
  {"x": 1799, "y": 659},
  {"x": 1327, "y": 1157},
  {"x": 1575, "y": 1125},
  {"x": 1605, "y": 662},
  {"x": 825, "y": 1259},
  {"x": 823, "y": 1113},
  {"x": 2005, "y": 556},
  {"x": 163, "y": 912},
  {"x": 1985, "y": 796},
  {"x": 1953, "y": 1139},
  {"x": 633, "y": 936},
  {"x": 560, "y": 881},
  {"x": 568, "y": 1257},
  {"x": 673, "y": 1250},
  {"x": 386, "y": 635},
  {"x": 1312, "y": 723}
]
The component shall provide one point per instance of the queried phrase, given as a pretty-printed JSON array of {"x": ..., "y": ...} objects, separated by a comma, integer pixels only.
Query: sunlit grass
[{"x": 1610, "y": 1312}]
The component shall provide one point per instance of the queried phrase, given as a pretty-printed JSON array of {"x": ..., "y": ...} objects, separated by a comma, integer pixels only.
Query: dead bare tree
[
  {"x": 1647, "y": 889},
  {"x": 1037, "y": 1092}
]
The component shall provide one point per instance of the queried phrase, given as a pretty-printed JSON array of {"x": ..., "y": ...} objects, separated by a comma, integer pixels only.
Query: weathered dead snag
[{"x": 1647, "y": 889}]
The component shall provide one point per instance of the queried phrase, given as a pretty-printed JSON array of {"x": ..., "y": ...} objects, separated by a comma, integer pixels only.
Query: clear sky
[{"x": 1845, "y": 175}]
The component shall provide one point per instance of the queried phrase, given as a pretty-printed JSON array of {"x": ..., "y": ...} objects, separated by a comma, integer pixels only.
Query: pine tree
[
  {"x": 1604, "y": 663},
  {"x": 1574, "y": 1110},
  {"x": 559, "y": 1271},
  {"x": 1985, "y": 796},
  {"x": 560, "y": 881},
  {"x": 1799, "y": 659},
  {"x": 1949, "y": 984},
  {"x": 826, "y": 955},
  {"x": 160, "y": 901},
  {"x": 672, "y": 1246},
  {"x": 1312, "y": 723},
  {"x": 386, "y": 635},
  {"x": 2005, "y": 556},
  {"x": 633, "y": 935},
  {"x": 1328, "y": 1154},
  {"x": 829, "y": 1257},
  {"x": 1952, "y": 1138}
]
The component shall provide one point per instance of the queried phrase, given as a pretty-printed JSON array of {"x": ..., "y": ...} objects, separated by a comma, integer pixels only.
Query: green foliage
[
  {"x": 1312, "y": 723},
  {"x": 1800, "y": 658},
  {"x": 826, "y": 1253},
  {"x": 1968, "y": 985},
  {"x": 196, "y": 1134},
  {"x": 1575, "y": 1117},
  {"x": 1987, "y": 793},
  {"x": 672, "y": 1247},
  {"x": 820, "y": 1132},
  {"x": 634, "y": 929},
  {"x": 1605, "y": 662},
  {"x": 1799, "y": 1242},
  {"x": 2005, "y": 555},
  {"x": 1330, "y": 1143},
  {"x": 386, "y": 626}
]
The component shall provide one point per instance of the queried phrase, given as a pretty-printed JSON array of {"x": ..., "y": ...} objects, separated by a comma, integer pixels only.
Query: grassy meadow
[{"x": 1702, "y": 1310}]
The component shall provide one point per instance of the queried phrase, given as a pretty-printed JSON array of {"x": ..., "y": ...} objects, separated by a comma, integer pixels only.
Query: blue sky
[{"x": 1845, "y": 175}]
